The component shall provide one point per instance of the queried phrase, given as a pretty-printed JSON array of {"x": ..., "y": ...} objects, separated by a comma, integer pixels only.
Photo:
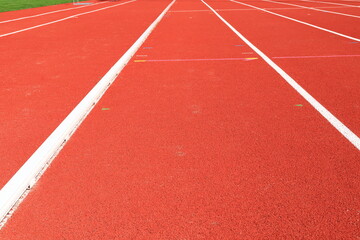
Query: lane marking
[
  {"x": 295, "y": 20},
  {"x": 242, "y": 9},
  {"x": 340, "y": 4},
  {"x": 195, "y": 59},
  {"x": 190, "y": 11},
  {"x": 320, "y": 56},
  {"x": 315, "y": 9},
  {"x": 47, "y": 13},
  {"x": 81, "y": 3},
  {"x": 63, "y": 19},
  {"x": 345, "y": 131},
  {"x": 29, "y": 173},
  {"x": 236, "y": 59}
]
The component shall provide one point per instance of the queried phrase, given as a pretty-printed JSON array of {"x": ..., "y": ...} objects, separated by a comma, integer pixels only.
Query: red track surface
[
  {"x": 187, "y": 150},
  {"x": 343, "y": 24},
  {"x": 21, "y": 24},
  {"x": 332, "y": 81},
  {"x": 47, "y": 71},
  {"x": 323, "y": 6},
  {"x": 27, "y": 12}
]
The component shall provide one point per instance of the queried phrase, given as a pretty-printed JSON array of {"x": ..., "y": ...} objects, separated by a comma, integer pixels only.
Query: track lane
[
  {"x": 314, "y": 9},
  {"x": 332, "y": 81},
  {"x": 12, "y": 28},
  {"x": 327, "y": 3},
  {"x": 46, "y": 74},
  {"x": 334, "y": 3},
  {"x": 34, "y": 15},
  {"x": 197, "y": 150},
  {"x": 338, "y": 25},
  {"x": 31, "y": 11},
  {"x": 251, "y": 9},
  {"x": 341, "y": 9}
]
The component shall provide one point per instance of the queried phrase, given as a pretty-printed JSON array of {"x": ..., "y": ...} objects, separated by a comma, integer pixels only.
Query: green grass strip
[{"x": 11, "y": 5}]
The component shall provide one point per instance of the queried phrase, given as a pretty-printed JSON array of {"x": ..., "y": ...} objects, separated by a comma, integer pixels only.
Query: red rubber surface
[
  {"x": 30, "y": 22},
  {"x": 207, "y": 150},
  {"x": 342, "y": 24},
  {"x": 324, "y": 6},
  {"x": 47, "y": 71},
  {"x": 332, "y": 81},
  {"x": 32, "y": 11}
]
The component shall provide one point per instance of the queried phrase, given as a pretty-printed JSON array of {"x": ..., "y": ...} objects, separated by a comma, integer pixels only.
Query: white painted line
[
  {"x": 340, "y": 4},
  {"x": 267, "y": 8},
  {"x": 62, "y": 19},
  {"x": 332, "y": 7},
  {"x": 315, "y": 9},
  {"x": 190, "y": 11},
  {"x": 47, "y": 13},
  {"x": 346, "y": 132},
  {"x": 27, "y": 175},
  {"x": 295, "y": 20},
  {"x": 241, "y": 9}
]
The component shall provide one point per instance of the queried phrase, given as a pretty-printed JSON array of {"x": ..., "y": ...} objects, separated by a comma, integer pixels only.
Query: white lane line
[
  {"x": 238, "y": 58},
  {"x": 340, "y": 4},
  {"x": 346, "y": 132},
  {"x": 317, "y": 56},
  {"x": 295, "y": 20},
  {"x": 242, "y": 9},
  {"x": 315, "y": 9},
  {"x": 190, "y": 10},
  {"x": 267, "y": 8},
  {"x": 28, "y": 174},
  {"x": 63, "y": 19},
  {"x": 47, "y": 13}
]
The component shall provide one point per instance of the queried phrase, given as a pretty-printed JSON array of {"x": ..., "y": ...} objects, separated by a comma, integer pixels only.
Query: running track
[{"x": 198, "y": 138}]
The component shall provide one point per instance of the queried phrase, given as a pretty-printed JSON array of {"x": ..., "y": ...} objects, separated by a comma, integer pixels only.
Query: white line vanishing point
[
  {"x": 345, "y": 131},
  {"x": 27, "y": 175},
  {"x": 295, "y": 20}
]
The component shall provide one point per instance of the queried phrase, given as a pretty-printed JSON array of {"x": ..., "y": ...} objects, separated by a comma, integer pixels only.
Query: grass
[{"x": 11, "y": 5}]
